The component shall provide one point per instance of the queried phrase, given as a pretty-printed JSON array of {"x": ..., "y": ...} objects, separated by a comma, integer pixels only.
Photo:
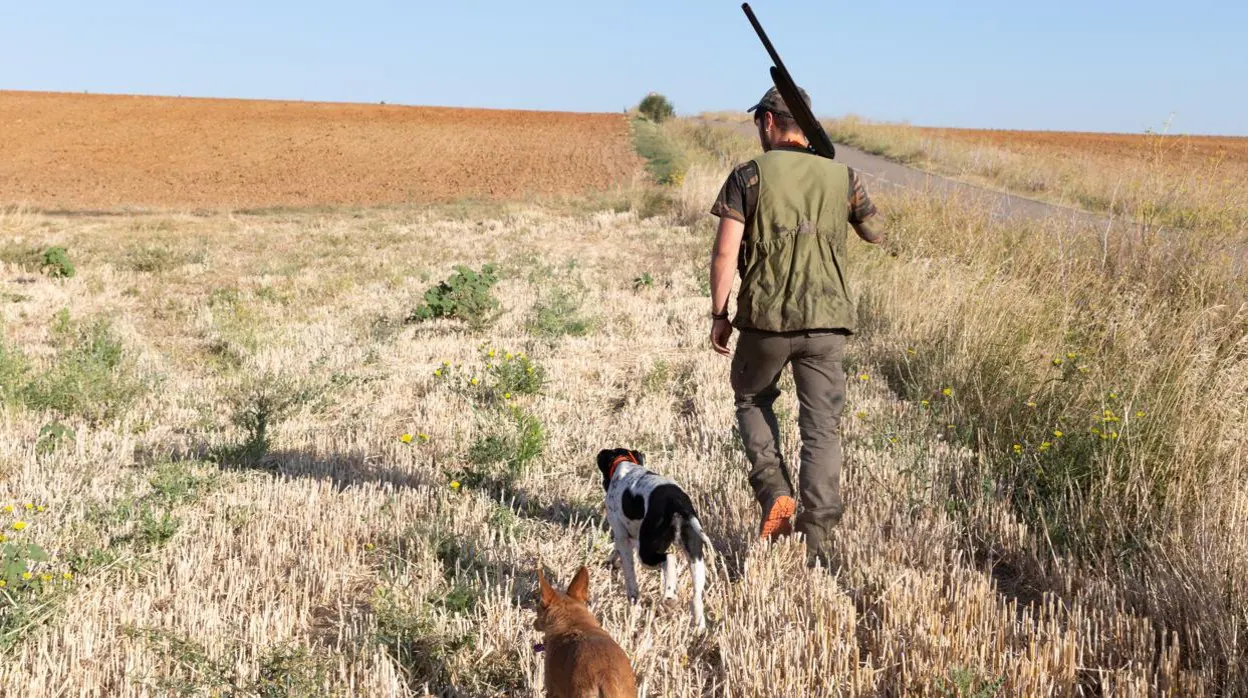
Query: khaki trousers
[{"x": 816, "y": 358}]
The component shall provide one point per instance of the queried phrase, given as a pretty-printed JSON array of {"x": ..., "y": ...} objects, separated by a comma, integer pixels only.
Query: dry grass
[
  {"x": 1192, "y": 182},
  {"x": 342, "y": 559}
]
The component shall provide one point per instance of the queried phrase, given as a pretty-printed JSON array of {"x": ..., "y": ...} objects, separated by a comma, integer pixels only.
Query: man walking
[{"x": 784, "y": 220}]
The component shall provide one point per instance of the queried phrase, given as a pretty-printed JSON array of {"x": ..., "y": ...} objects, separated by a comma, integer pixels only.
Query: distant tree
[{"x": 656, "y": 108}]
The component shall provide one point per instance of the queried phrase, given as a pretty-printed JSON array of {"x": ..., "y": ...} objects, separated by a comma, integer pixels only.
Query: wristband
[{"x": 719, "y": 316}]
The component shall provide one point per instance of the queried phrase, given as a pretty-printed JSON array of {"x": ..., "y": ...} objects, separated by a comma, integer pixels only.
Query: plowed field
[
  {"x": 1230, "y": 148},
  {"x": 76, "y": 151}
]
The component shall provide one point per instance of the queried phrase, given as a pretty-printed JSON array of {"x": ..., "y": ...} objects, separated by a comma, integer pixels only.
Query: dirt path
[{"x": 886, "y": 174}]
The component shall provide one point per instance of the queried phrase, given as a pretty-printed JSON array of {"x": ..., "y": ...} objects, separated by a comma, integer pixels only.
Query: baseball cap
[{"x": 773, "y": 102}]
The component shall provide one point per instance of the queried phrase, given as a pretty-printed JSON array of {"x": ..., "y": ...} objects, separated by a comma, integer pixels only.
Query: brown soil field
[
  {"x": 79, "y": 151},
  {"x": 1230, "y": 148}
]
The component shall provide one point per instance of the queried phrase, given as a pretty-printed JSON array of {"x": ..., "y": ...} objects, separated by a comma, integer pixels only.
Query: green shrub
[
  {"x": 656, "y": 108},
  {"x": 56, "y": 263},
  {"x": 515, "y": 443},
  {"x": 92, "y": 376},
  {"x": 558, "y": 314},
  {"x": 465, "y": 295},
  {"x": 260, "y": 404},
  {"x": 52, "y": 436}
]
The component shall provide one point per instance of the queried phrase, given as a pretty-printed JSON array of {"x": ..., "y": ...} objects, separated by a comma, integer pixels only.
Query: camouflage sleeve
[
  {"x": 860, "y": 206},
  {"x": 731, "y": 200}
]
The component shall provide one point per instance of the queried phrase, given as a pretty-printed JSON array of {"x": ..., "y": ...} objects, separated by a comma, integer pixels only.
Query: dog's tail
[{"x": 694, "y": 538}]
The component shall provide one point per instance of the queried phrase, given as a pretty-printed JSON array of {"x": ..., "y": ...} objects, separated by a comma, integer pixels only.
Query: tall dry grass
[{"x": 1155, "y": 180}]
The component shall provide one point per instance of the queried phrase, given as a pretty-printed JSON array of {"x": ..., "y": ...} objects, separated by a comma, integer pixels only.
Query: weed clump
[
  {"x": 56, "y": 263},
  {"x": 465, "y": 295}
]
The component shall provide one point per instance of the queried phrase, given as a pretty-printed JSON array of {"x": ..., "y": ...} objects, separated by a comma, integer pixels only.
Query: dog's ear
[
  {"x": 548, "y": 592},
  {"x": 641, "y": 458},
  {"x": 605, "y": 456},
  {"x": 579, "y": 588}
]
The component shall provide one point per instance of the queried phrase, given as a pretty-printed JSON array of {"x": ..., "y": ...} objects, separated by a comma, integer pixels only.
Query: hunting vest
[{"x": 793, "y": 252}]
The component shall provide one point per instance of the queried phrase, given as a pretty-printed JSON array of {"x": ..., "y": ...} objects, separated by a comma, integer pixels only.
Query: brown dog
[{"x": 582, "y": 661}]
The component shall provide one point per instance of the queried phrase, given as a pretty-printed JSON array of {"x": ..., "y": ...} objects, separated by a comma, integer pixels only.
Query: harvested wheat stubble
[{"x": 73, "y": 151}]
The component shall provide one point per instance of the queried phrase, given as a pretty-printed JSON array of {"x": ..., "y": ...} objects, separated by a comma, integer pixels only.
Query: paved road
[{"x": 884, "y": 174}]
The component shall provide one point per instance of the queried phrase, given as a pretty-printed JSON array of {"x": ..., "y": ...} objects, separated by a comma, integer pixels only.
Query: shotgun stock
[{"x": 820, "y": 144}]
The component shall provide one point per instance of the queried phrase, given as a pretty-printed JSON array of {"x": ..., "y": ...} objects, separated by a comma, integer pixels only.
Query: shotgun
[{"x": 820, "y": 144}]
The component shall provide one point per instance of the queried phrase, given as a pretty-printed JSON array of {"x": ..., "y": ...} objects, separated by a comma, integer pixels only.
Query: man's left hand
[{"x": 721, "y": 331}]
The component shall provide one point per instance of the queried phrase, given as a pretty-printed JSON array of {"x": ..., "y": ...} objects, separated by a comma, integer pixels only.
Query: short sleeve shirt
[{"x": 738, "y": 198}]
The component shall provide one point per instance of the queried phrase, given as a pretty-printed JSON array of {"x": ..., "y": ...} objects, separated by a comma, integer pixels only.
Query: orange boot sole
[{"x": 779, "y": 518}]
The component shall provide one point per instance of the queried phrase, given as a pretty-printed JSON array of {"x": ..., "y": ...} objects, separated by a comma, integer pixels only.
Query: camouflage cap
[{"x": 773, "y": 102}]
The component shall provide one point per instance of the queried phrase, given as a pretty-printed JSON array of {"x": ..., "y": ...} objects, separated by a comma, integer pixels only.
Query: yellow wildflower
[
  {"x": 1057, "y": 433},
  {"x": 861, "y": 415},
  {"x": 892, "y": 439},
  {"x": 864, "y": 377},
  {"x": 910, "y": 351},
  {"x": 1072, "y": 355},
  {"x": 1113, "y": 435},
  {"x": 509, "y": 356},
  {"x": 19, "y": 525},
  {"x": 28, "y": 575},
  {"x": 455, "y": 484},
  {"x": 41, "y": 508},
  {"x": 437, "y": 373},
  {"x": 924, "y": 403},
  {"x": 1094, "y": 430},
  {"x": 406, "y": 438},
  {"x": 474, "y": 381},
  {"x": 28, "y": 506},
  {"x": 1031, "y": 403},
  {"x": 1084, "y": 369},
  {"x": 1113, "y": 396},
  {"x": 369, "y": 546},
  {"x": 8, "y": 508},
  {"x": 45, "y": 577},
  {"x": 1045, "y": 446},
  {"x": 3, "y": 584},
  {"x": 1018, "y": 448},
  {"x": 3, "y": 538},
  {"x": 446, "y": 364},
  {"x": 948, "y": 392},
  {"x": 491, "y": 353},
  {"x": 67, "y": 576},
  {"x": 1139, "y": 413},
  {"x": 424, "y": 438},
  {"x": 506, "y": 396},
  {"x": 1057, "y": 362}
]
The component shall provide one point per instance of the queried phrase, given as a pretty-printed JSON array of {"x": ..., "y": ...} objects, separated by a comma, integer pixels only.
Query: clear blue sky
[{"x": 1089, "y": 65}]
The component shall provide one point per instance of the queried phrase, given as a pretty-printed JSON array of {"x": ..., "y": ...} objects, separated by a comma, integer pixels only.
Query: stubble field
[{"x": 260, "y": 465}]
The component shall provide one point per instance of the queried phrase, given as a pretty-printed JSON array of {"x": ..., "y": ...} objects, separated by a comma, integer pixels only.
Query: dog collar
[{"x": 627, "y": 457}]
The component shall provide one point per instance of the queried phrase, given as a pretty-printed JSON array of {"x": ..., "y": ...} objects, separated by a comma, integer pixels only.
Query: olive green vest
[{"x": 793, "y": 253}]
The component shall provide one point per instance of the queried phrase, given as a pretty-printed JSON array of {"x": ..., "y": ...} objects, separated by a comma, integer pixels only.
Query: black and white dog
[{"x": 647, "y": 513}]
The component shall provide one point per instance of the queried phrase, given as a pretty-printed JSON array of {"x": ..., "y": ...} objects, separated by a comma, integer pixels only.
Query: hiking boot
[{"x": 778, "y": 518}]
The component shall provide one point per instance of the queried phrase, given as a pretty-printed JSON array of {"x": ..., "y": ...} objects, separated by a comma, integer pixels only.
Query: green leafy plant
[
  {"x": 643, "y": 281},
  {"x": 558, "y": 313},
  {"x": 56, "y": 263},
  {"x": 465, "y": 295},
  {"x": 52, "y": 436},
  {"x": 92, "y": 375}
]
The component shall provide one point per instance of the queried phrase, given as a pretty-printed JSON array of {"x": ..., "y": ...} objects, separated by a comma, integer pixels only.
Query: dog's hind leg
[
  {"x": 698, "y": 568},
  {"x": 669, "y": 577}
]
